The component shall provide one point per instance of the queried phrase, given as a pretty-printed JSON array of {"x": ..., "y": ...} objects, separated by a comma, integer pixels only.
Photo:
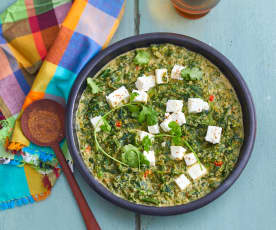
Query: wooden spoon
[{"x": 43, "y": 124}]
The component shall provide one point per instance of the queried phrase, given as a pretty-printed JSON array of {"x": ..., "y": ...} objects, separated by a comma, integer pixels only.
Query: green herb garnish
[
  {"x": 133, "y": 157},
  {"x": 146, "y": 142},
  {"x": 192, "y": 74},
  {"x": 93, "y": 86},
  {"x": 105, "y": 127},
  {"x": 142, "y": 57},
  {"x": 141, "y": 157},
  {"x": 135, "y": 110},
  {"x": 149, "y": 115},
  {"x": 132, "y": 96},
  {"x": 175, "y": 132}
]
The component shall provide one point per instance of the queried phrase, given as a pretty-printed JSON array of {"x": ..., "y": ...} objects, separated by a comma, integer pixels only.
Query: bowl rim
[{"x": 217, "y": 59}]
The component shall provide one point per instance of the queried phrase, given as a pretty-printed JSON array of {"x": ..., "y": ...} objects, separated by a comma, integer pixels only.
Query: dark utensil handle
[{"x": 89, "y": 219}]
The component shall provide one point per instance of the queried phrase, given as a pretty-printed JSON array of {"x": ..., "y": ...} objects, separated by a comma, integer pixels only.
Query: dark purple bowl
[{"x": 233, "y": 75}]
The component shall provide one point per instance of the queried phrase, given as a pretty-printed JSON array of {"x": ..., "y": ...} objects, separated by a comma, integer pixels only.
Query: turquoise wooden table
[{"x": 244, "y": 31}]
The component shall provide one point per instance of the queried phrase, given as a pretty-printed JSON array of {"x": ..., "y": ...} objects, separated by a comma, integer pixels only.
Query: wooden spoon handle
[{"x": 89, "y": 219}]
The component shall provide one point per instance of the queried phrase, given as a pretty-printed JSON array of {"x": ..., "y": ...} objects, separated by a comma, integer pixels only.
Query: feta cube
[
  {"x": 118, "y": 97},
  {"x": 150, "y": 157},
  {"x": 190, "y": 159},
  {"x": 182, "y": 181},
  {"x": 154, "y": 129},
  {"x": 178, "y": 117},
  {"x": 94, "y": 121},
  {"x": 145, "y": 83},
  {"x": 141, "y": 97},
  {"x": 176, "y": 72},
  {"x": 174, "y": 106},
  {"x": 196, "y": 171},
  {"x": 205, "y": 106},
  {"x": 142, "y": 134},
  {"x": 161, "y": 76},
  {"x": 163, "y": 144},
  {"x": 165, "y": 124},
  {"x": 213, "y": 134},
  {"x": 197, "y": 105},
  {"x": 177, "y": 152}
]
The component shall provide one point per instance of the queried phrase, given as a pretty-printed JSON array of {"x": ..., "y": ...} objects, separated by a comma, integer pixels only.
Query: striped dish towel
[{"x": 43, "y": 46}]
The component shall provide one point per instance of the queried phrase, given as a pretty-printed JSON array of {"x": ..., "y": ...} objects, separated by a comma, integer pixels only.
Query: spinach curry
[{"x": 113, "y": 151}]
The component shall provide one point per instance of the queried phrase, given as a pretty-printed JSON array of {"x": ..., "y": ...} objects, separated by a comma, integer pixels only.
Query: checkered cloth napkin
[{"x": 43, "y": 46}]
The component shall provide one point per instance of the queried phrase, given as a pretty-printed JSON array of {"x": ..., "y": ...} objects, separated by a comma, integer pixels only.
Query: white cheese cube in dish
[
  {"x": 165, "y": 124},
  {"x": 197, "y": 105},
  {"x": 182, "y": 181},
  {"x": 154, "y": 129},
  {"x": 141, "y": 97},
  {"x": 150, "y": 157},
  {"x": 142, "y": 134},
  {"x": 213, "y": 134},
  {"x": 118, "y": 97},
  {"x": 178, "y": 117},
  {"x": 196, "y": 171},
  {"x": 161, "y": 76},
  {"x": 174, "y": 106},
  {"x": 94, "y": 121},
  {"x": 176, "y": 72},
  {"x": 205, "y": 106},
  {"x": 145, "y": 83},
  {"x": 190, "y": 159},
  {"x": 177, "y": 152}
]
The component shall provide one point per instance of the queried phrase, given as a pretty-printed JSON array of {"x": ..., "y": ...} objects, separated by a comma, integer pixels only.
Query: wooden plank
[
  {"x": 244, "y": 31},
  {"x": 60, "y": 211}
]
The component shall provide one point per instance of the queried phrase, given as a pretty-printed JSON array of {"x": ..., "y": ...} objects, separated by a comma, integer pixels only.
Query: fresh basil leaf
[
  {"x": 93, "y": 86},
  {"x": 142, "y": 57}
]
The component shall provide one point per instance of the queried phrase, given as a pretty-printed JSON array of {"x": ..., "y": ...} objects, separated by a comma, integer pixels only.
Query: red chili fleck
[
  {"x": 147, "y": 172},
  {"x": 137, "y": 67},
  {"x": 118, "y": 124},
  {"x": 218, "y": 163},
  {"x": 211, "y": 98}
]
